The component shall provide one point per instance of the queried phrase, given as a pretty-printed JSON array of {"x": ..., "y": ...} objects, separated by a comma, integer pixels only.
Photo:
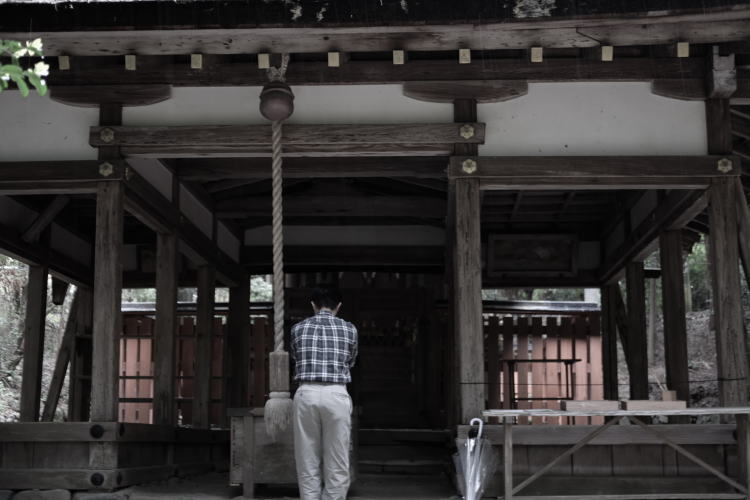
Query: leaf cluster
[{"x": 15, "y": 72}]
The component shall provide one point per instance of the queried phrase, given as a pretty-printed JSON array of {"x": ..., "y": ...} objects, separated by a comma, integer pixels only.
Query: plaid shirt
[{"x": 324, "y": 348}]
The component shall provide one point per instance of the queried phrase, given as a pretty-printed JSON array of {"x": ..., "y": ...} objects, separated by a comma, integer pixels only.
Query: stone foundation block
[
  {"x": 42, "y": 495},
  {"x": 118, "y": 495}
]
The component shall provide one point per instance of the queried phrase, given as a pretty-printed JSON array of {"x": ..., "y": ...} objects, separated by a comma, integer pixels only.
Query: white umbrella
[{"x": 478, "y": 461}]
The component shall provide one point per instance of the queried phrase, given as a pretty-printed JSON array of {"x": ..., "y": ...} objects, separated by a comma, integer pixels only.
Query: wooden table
[{"x": 741, "y": 484}]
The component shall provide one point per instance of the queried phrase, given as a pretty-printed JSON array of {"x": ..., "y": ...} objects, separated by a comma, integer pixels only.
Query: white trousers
[{"x": 322, "y": 433}]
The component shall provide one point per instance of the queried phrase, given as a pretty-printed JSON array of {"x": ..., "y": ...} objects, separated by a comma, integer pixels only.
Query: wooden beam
[
  {"x": 90, "y": 96},
  {"x": 107, "y": 301},
  {"x": 299, "y": 140},
  {"x": 671, "y": 209},
  {"x": 60, "y": 265},
  {"x": 743, "y": 221},
  {"x": 637, "y": 342},
  {"x": 165, "y": 328},
  {"x": 204, "y": 326},
  {"x": 63, "y": 177},
  {"x": 673, "y": 304},
  {"x": 609, "y": 342},
  {"x": 213, "y": 169},
  {"x": 257, "y": 259},
  {"x": 480, "y": 91},
  {"x": 163, "y": 70},
  {"x": 67, "y": 344},
  {"x": 740, "y": 126},
  {"x": 717, "y": 25},
  {"x": 149, "y": 206},
  {"x": 33, "y": 343},
  {"x": 592, "y": 172},
  {"x": 335, "y": 206},
  {"x": 44, "y": 219},
  {"x": 468, "y": 299}
]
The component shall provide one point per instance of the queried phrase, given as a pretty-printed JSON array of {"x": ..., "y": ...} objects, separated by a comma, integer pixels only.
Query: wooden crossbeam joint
[{"x": 722, "y": 75}]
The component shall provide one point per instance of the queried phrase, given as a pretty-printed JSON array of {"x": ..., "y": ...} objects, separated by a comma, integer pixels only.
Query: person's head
[{"x": 326, "y": 297}]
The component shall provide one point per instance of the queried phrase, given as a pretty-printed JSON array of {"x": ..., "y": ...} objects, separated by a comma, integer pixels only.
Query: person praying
[{"x": 324, "y": 349}]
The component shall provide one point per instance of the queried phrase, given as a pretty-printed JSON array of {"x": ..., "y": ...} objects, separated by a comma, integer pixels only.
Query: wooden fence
[
  {"x": 538, "y": 360},
  {"x": 136, "y": 366}
]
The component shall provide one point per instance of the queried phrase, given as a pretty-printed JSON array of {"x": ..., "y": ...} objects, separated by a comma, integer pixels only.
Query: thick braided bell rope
[
  {"x": 278, "y": 408},
  {"x": 278, "y": 239}
]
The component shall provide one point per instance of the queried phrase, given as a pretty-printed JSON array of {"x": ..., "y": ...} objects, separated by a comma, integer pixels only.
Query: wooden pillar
[
  {"x": 107, "y": 321},
  {"x": 609, "y": 341},
  {"x": 166, "y": 328},
  {"x": 731, "y": 350},
  {"x": 79, "y": 388},
  {"x": 637, "y": 343},
  {"x": 467, "y": 265},
  {"x": 673, "y": 303},
  {"x": 464, "y": 400},
  {"x": 62, "y": 360},
  {"x": 203, "y": 347},
  {"x": 237, "y": 345},
  {"x": 33, "y": 343},
  {"x": 731, "y": 357}
]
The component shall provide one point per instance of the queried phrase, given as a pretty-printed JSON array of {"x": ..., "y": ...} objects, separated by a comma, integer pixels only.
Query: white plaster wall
[
  {"x": 322, "y": 104},
  {"x": 38, "y": 128},
  {"x": 593, "y": 119},
  {"x": 349, "y": 235},
  {"x": 552, "y": 119}
]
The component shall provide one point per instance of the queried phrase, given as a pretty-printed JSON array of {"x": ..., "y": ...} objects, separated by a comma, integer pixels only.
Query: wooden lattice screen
[
  {"x": 136, "y": 367},
  {"x": 540, "y": 360}
]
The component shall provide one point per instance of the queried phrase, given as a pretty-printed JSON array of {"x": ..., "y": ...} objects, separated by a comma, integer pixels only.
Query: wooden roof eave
[{"x": 724, "y": 24}]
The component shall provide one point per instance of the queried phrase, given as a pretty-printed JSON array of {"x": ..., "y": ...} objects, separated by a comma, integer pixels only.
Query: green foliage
[
  {"x": 696, "y": 265},
  {"x": 261, "y": 289},
  {"x": 15, "y": 71}
]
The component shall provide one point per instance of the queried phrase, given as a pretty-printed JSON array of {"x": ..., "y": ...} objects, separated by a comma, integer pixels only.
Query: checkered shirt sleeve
[{"x": 324, "y": 349}]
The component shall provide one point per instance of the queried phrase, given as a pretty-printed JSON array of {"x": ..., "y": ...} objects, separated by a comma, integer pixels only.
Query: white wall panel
[
  {"x": 593, "y": 119},
  {"x": 38, "y": 128}
]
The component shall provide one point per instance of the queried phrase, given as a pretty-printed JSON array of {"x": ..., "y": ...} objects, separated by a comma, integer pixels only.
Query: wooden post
[
  {"x": 651, "y": 323},
  {"x": 203, "y": 347},
  {"x": 673, "y": 303},
  {"x": 731, "y": 349},
  {"x": 637, "y": 343},
  {"x": 467, "y": 267},
  {"x": 237, "y": 345},
  {"x": 107, "y": 322},
  {"x": 33, "y": 343},
  {"x": 79, "y": 388},
  {"x": 465, "y": 284},
  {"x": 609, "y": 342},
  {"x": 731, "y": 357},
  {"x": 62, "y": 360},
  {"x": 166, "y": 328}
]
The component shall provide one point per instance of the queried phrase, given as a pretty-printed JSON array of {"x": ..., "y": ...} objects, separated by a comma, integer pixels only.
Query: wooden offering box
[{"x": 256, "y": 460}]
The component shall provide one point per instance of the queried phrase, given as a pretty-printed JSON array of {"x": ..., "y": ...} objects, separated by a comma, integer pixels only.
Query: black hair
[{"x": 326, "y": 296}]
